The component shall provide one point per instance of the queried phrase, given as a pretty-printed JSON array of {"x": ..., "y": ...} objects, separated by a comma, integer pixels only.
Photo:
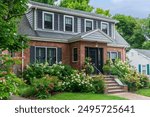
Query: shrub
[
  {"x": 128, "y": 75},
  {"x": 37, "y": 71},
  {"x": 98, "y": 84},
  {"x": 88, "y": 67}
]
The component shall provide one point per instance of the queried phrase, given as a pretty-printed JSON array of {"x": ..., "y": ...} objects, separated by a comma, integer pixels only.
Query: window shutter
[
  {"x": 59, "y": 55},
  {"x": 148, "y": 69},
  {"x": 32, "y": 54},
  {"x": 75, "y": 25},
  {"x": 139, "y": 67}
]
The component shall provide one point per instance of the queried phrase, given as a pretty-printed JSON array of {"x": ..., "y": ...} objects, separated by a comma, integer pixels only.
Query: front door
[{"x": 96, "y": 55}]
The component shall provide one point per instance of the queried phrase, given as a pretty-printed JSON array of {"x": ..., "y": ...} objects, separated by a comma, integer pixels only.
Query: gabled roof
[
  {"x": 93, "y": 35},
  {"x": 143, "y": 52},
  {"x": 70, "y": 11}
]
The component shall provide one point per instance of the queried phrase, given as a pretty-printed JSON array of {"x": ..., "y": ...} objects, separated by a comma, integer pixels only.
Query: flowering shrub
[
  {"x": 39, "y": 70},
  {"x": 8, "y": 81},
  {"x": 88, "y": 67},
  {"x": 128, "y": 75}
]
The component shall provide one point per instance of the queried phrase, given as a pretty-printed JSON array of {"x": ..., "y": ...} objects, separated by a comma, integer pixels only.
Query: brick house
[{"x": 69, "y": 36}]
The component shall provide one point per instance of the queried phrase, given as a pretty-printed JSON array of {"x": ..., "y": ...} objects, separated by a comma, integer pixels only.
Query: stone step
[
  {"x": 110, "y": 81},
  {"x": 112, "y": 84},
  {"x": 114, "y": 87},
  {"x": 116, "y": 91}
]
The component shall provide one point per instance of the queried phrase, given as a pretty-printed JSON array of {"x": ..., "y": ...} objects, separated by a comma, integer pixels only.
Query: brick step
[
  {"x": 116, "y": 91},
  {"x": 114, "y": 87},
  {"x": 112, "y": 84},
  {"x": 110, "y": 81},
  {"x": 107, "y": 79}
]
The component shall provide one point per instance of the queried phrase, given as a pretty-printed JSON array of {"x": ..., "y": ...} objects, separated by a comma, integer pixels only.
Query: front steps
[{"x": 114, "y": 85}]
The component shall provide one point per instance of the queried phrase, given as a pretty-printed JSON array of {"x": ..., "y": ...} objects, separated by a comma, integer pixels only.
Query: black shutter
[
  {"x": 59, "y": 54},
  {"x": 39, "y": 18},
  {"x": 56, "y": 21},
  {"x": 110, "y": 31},
  {"x": 99, "y": 24},
  {"x": 94, "y": 24},
  {"x": 32, "y": 54},
  {"x": 75, "y": 24},
  {"x": 61, "y": 20},
  {"x": 82, "y": 25}
]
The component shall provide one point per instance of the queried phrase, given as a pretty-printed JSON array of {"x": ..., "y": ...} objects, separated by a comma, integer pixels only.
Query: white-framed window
[
  {"x": 88, "y": 25},
  {"x": 144, "y": 69},
  {"x": 46, "y": 54},
  {"x": 114, "y": 55},
  {"x": 75, "y": 54},
  {"x": 68, "y": 23},
  {"x": 48, "y": 20},
  {"x": 105, "y": 27}
]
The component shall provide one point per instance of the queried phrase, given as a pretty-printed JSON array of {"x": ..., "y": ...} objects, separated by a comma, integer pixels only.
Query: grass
[
  {"x": 84, "y": 96},
  {"x": 145, "y": 92}
]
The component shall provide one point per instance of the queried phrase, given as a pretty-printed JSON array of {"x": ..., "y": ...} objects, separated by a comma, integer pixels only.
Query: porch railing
[{"x": 99, "y": 72}]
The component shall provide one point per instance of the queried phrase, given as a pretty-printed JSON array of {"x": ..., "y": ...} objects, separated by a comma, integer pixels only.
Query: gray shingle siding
[
  {"x": 39, "y": 18},
  {"x": 110, "y": 29},
  {"x": 30, "y": 17}
]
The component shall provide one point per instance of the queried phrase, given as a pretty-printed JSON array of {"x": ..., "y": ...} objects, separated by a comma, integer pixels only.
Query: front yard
[
  {"x": 144, "y": 92},
  {"x": 84, "y": 96}
]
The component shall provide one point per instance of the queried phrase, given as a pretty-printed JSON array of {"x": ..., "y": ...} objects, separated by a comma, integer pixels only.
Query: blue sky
[{"x": 136, "y": 8}]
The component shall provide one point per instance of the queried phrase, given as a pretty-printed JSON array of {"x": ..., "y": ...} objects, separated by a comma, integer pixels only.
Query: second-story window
[
  {"x": 48, "y": 20},
  {"x": 105, "y": 27},
  {"x": 68, "y": 23},
  {"x": 88, "y": 25}
]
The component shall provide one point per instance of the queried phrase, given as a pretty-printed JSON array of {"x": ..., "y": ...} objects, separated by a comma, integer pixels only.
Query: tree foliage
[
  {"x": 77, "y": 4},
  {"x": 103, "y": 12},
  {"x": 51, "y": 2},
  {"x": 146, "y": 45},
  {"x": 10, "y": 13}
]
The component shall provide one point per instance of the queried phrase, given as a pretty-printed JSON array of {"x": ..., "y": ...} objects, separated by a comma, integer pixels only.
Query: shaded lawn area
[
  {"x": 84, "y": 96},
  {"x": 144, "y": 92}
]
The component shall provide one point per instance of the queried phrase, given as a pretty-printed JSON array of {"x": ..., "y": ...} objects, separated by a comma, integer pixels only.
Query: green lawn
[
  {"x": 145, "y": 92},
  {"x": 84, "y": 96}
]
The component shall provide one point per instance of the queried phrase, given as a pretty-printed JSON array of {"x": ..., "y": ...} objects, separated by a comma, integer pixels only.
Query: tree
[
  {"x": 51, "y": 2},
  {"x": 10, "y": 14},
  {"x": 77, "y": 4},
  {"x": 146, "y": 45},
  {"x": 130, "y": 29},
  {"x": 103, "y": 12}
]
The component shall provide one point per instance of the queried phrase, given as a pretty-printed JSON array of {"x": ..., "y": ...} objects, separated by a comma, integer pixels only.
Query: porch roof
[{"x": 94, "y": 35}]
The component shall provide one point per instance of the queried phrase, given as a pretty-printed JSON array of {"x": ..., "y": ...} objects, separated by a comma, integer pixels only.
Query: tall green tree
[
  {"x": 103, "y": 12},
  {"x": 77, "y": 4},
  {"x": 10, "y": 14},
  {"x": 51, "y": 2},
  {"x": 146, "y": 45},
  {"x": 130, "y": 29}
]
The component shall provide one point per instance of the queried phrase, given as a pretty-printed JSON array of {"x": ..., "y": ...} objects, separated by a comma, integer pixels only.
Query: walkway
[
  {"x": 132, "y": 96},
  {"x": 13, "y": 97}
]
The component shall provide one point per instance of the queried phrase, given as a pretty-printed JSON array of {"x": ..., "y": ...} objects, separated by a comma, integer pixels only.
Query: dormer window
[
  {"x": 69, "y": 23},
  {"x": 105, "y": 27},
  {"x": 48, "y": 20},
  {"x": 88, "y": 25}
]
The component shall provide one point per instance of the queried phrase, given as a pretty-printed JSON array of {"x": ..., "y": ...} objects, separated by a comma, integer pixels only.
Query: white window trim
[
  {"x": 142, "y": 69},
  {"x": 85, "y": 24},
  {"x": 72, "y": 23},
  {"x": 46, "y": 52},
  {"x": 43, "y": 24},
  {"x": 73, "y": 54},
  {"x": 107, "y": 26},
  {"x": 112, "y": 52}
]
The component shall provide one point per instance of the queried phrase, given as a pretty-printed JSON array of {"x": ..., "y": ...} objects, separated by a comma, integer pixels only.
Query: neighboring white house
[{"x": 140, "y": 59}]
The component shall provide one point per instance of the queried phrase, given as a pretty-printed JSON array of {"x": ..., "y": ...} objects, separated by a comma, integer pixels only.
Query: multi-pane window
[
  {"x": 69, "y": 23},
  {"x": 75, "y": 54},
  {"x": 105, "y": 27},
  {"x": 46, "y": 55},
  {"x": 113, "y": 55},
  {"x": 144, "y": 69},
  {"x": 88, "y": 25},
  {"x": 48, "y": 20}
]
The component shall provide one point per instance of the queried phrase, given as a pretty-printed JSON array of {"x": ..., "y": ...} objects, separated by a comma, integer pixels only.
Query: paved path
[
  {"x": 132, "y": 96},
  {"x": 13, "y": 97}
]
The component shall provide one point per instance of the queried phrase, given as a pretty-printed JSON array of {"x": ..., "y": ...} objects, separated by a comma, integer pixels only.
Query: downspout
[{"x": 22, "y": 67}]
